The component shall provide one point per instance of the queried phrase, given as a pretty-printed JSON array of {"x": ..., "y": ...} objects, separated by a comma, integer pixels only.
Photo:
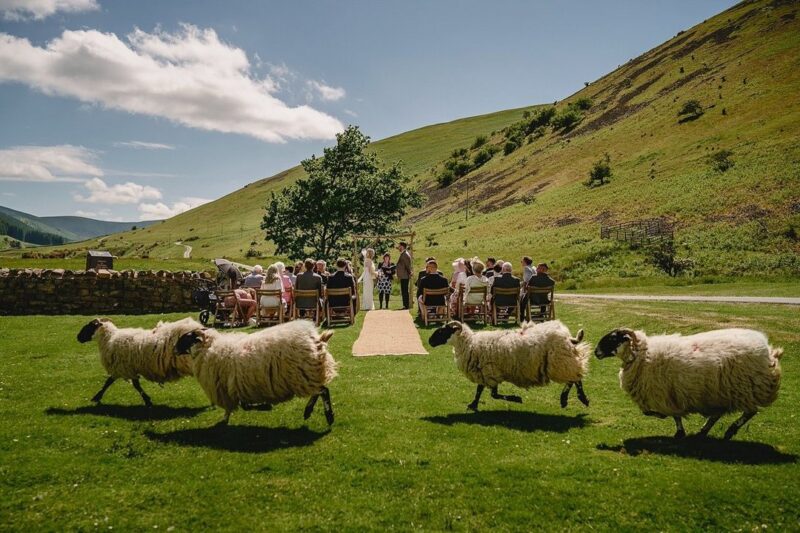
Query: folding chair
[
  {"x": 298, "y": 311},
  {"x": 269, "y": 315},
  {"x": 339, "y": 314},
  {"x": 435, "y": 313},
  {"x": 475, "y": 312},
  {"x": 541, "y": 312},
  {"x": 505, "y": 313},
  {"x": 225, "y": 312}
]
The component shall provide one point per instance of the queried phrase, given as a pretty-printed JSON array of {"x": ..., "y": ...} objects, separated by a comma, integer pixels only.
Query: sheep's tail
[
  {"x": 326, "y": 335},
  {"x": 776, "y": 353}
]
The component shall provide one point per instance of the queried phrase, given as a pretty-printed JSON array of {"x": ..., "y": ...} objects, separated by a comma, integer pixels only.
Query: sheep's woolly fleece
[
  {"x": 129, "y": 353},
  {"x": 530, "y": 356},
  {"x": 709, "y": 373},
  {"x": 270, "y": 366}
]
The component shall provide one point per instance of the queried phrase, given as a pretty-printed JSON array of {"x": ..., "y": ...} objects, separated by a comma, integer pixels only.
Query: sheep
[
  {"x": 711, "y": 373},
  {"x": 264, "y": 368},
  {"x": 134, "y": 353},
  {"x": 530, "y": 356}
]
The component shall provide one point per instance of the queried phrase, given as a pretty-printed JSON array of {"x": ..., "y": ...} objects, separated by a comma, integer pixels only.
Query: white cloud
[
  {"x": 161, "y": 210},
  {"x": 326, "y": 92},
  {"x": 350, "y": 112},
  {"x": 123, "y": 193},
  {"x": 39, "y": 9},
  {"x": 189, "y": 77},
  {"x": 102, "y": 214},
  {"x": 47, "y": 163},
  {"x": 142, "y": 145}
]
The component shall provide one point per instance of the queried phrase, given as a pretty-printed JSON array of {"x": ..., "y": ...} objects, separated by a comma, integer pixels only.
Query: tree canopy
[{"x": 347, "y": 191}]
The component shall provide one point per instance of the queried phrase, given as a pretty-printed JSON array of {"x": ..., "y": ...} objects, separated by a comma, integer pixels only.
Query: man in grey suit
[
  {"x": 308, "y": 281},
  {"x": 404, "y": 272}
]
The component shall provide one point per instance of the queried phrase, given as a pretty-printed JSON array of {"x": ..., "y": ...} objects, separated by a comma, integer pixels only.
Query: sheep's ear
[
  {"x": 578, "y": 338},
  {"x": 455, "y": 325},
  {"x": 628, "y": 334}
]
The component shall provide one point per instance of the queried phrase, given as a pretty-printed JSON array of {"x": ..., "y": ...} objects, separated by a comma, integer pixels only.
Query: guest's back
[
  {"x": 433, "y": 282},
  {"x": 541, "y": 280},
  {"x": 506, "y": 281},
  {"x": 341, "y": 280},
  {"x": 308, "y": 281}
]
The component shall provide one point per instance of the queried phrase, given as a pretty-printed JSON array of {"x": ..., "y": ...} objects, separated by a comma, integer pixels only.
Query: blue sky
[{"x": 130, "y": 110}]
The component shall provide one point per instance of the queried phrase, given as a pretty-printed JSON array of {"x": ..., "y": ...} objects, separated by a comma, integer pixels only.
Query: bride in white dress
[{"x": 368, "y": 280}]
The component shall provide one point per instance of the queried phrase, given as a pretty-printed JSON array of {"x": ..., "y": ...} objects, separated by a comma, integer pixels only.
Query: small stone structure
[{"x": 34, "y": 291}]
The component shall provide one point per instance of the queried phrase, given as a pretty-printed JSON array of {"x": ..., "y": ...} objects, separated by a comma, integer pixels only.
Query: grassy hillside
[
  {"x": 742, "y": 67},
  {"x": 70, "y": 228}
]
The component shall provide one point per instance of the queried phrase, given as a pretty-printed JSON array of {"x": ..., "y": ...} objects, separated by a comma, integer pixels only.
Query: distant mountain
[{"x": 57, "y": 230}]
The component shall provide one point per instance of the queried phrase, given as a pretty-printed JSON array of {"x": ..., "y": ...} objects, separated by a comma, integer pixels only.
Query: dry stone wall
[{"x": 89, "y": 292}]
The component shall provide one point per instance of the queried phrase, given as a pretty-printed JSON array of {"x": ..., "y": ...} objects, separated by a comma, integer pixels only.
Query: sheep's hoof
[
  {"x": 729, "y": 434},
  {"x": 563, "y": 401},
  {"x": 584, "y": 400},
  {"x": 148, "y": 403},
  {"x": 329, "y": 417},
  {"x": 473, "y": 407},
  {"x": 307, "y": 413},
  {"x": 515, "y": 399},
  {"x": 680, "y": 434},
  {"x": 96, "y": 399}
]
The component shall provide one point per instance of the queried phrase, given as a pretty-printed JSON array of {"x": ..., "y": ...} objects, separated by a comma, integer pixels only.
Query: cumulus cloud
[
  {"x": 39, "y": 9},
  {"x": 142, "y": 145},
  {"x": 160, "y": 210},
  {"x": 47, "y": 163},
  {"x": 123, "y": 193},
  {"x": 326, "y": 92},
  {"x": 189, "y": 77}
]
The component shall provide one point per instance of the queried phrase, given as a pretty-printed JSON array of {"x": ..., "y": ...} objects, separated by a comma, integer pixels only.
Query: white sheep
[
  {"x": 264, "y": 368},
  {"x": 134, "y": 353},
  {"x": 711, "y": 373},
  {"x": 530, "y": 356}
]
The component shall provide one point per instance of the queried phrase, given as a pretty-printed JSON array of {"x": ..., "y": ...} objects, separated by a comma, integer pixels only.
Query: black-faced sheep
[
  {"x": 264, "y": 368},
  {"x": 530, "y": 356},
  {"x": 134, "y": 353},
  {"x": 711, "y": 373}
]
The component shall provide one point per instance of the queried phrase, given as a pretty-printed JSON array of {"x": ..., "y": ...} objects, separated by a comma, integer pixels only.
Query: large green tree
[{"x": 347, "y": 191}]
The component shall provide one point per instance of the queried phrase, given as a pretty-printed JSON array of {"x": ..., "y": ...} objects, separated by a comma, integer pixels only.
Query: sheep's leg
[
  {"x": 327, "y": 405},
  {"x": 582, "y": 395},
  {"x": 310, "y": 406},
  {"x": 507, "y": 397},
  {"x": 565, "y": 394},
  {"x": 99, "y": 396},
  {"x": 680, "y": 433},
  {"x": 225, "y": 418},
  {"x": 474, "y": 405},
  {"x": 710, "y": 421},
  {"x": 138, "y": 387},
  {"x": 737, "y": 425}
]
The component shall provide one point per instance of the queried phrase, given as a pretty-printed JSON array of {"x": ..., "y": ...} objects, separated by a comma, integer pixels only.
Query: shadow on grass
[
  {"x": 130, "y": 412},
  {"x": 517, "y": 420},
  {"x": 246, "y": 439},
  {"x": 706, "y": 449}
]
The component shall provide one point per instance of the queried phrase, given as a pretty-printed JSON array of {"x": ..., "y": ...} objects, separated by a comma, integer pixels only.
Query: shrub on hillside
[
  {"x": 509, "y": 147},
  {"x": 721, "y": 161},
  {"x": 567, "y": 119},
  {"x": 690, "y": 110},
  {"x": 458, "y": 153},
  {"x": 482, "y": 157},
  {"x": 600, "y": 173},
  {"x": 662, "y": 255},
  {"x": 582, "y": 103},
  {"x": 461, "y": 168},
  {"x": 480, "y": 140},
  {"x": 445, "y": 178}
]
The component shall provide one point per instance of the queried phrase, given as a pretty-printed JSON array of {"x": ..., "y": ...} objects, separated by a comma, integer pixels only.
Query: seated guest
[
  {"x": 290, "y": 273},
  {"x": 255, "y": 278},
  {"x": 477, "y": 279},
  {"x": 424, "y": 271},
  {"x": 506, "y": 281},
  {"x": 286, "y": 282},
  {"x": 246, "y": 302},
  {"x": 272, "y": 282},
  {"x": 321, "y": 268},
  {"x": 489, "y": 270},
  {"x": 527, "y": 269},
  {"x": 541, "y": 280},
  {"x": 341, "y": 279},
  {"x": 308, "y": 281},
  {"x": 433, "y": 279},
  {"x": 298, "y": 269},
  {"x": 498, "y": 267},
  {"x": 457, "y": 281}
]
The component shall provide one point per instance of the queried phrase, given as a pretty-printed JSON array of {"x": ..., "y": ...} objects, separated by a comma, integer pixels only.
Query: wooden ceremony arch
[{"x": 375, "y": 238}]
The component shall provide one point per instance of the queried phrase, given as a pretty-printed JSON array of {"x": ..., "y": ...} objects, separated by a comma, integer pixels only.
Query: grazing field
[{"x": 403, "y": 453}]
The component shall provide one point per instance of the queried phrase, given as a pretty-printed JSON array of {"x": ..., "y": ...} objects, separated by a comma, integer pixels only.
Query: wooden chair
[
  {"x": 435, "y": 313},
  {"x": 224, "y": 311},
  {"x": 476, "y": 312},
  {"x": 269, "y": 315},
  {"x": 339, "y": 314},
  {"x": 543, "y": 312},
  {"x": 298, "y": 310},
  {"x": 505, "y": 313}
]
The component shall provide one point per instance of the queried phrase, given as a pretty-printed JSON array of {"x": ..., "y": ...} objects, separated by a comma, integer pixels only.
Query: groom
[{"x": 404, "y": 272}]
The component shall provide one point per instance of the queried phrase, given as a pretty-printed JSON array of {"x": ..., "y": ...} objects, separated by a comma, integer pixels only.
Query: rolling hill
[
  {"x": 69, "y": 228},
  {"x": 727, "y": 173}
]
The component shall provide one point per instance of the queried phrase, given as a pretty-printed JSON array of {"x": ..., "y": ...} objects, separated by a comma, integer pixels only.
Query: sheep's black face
[
  {"x": 186, "y": 341},
  {"x": 608, "y": 345},
  {"x": 87, "y": 332},
  {"x": 441, "y": 335}
]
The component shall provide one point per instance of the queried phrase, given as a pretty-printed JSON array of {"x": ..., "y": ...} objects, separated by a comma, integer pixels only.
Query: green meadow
[{"x": 403, "y": 453}]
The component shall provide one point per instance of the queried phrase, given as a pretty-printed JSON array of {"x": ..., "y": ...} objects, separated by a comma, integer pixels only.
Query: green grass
[{"x": 403, "y": 453}]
